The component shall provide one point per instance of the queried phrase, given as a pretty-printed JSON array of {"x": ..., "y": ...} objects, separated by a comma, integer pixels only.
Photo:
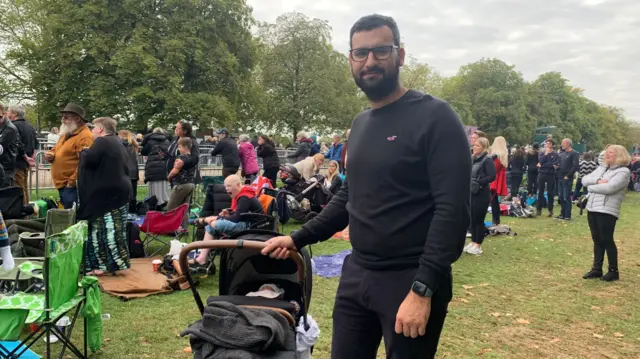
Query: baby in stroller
[{"x": 262, "y": 303}]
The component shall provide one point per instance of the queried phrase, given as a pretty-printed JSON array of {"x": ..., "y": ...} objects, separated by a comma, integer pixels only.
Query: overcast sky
[{"x": 594, "y": 43}]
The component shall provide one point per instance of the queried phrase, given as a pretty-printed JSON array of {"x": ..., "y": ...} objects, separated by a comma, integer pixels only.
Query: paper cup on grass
[{"x": 156, "y": 265}]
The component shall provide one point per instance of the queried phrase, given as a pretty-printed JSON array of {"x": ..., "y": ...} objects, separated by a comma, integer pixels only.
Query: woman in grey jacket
[{"x": 607, "y": 186}]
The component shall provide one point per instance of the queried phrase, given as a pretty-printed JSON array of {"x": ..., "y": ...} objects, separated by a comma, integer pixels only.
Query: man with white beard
[{"x": 75, "y": 136}]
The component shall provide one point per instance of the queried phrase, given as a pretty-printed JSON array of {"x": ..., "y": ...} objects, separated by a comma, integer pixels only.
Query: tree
[
  {"x": 147, "y": 62},
  {"x": 492, "y": 94},
  {"x": 307, "y": 83},
  {"x": 421, "y": 77}
]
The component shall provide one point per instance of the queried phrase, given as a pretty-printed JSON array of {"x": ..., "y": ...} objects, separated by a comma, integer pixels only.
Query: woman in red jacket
[{"x": 499, "y": 185}]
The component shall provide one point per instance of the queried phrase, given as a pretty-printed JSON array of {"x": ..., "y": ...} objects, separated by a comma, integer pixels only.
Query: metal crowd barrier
[{"x": 40, "y": 175}]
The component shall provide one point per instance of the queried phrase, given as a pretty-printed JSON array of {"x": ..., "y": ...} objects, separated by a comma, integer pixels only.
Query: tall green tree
[
  {"x": 308, "y": 84},
  {"x": 421, "y": 77},
  {"x": 493, "y": 94},
  {"x": 147, "y": 62}
]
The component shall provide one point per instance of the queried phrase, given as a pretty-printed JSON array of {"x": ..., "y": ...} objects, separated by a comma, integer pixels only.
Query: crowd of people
[
  {"x": 408, "y": 207},
  {"x": 552, "y": 172}
]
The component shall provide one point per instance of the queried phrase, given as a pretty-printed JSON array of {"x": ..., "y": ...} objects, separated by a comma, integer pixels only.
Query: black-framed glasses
[{"x": 380, "y": 52}]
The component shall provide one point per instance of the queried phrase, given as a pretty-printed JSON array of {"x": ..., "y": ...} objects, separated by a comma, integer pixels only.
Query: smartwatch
[{"x": 421, "y": 289}]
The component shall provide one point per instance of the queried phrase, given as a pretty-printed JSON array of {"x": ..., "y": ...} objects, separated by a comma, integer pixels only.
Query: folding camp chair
[
  {"x": 60, "y": 273},
  {"x": 56, "y": 222},
  {"x": 157, "y": 224}
]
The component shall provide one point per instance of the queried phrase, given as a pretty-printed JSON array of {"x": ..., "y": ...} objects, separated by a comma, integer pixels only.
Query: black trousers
[
  {"x": 548, "y": 182},
  {"x": 479, "y": 206},
  {"x": 228, "y": 171},
  {"x": 532, "y": 182},
  {"x": 272, "y": 175},
  {"x": 602, "y": 226},
  {"x": 365, "y": 312},
  {"x": 495, "y": 208},
  {"x": 516, "y": 181},
  {"x": 134, "y": 195}
]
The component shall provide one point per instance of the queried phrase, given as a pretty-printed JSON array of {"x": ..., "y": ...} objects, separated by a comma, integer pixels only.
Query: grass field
[{"x": 523, "y": 298}]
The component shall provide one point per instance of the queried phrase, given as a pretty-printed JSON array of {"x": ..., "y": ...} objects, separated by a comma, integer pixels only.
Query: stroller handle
[{"x": 225, "y": 244}]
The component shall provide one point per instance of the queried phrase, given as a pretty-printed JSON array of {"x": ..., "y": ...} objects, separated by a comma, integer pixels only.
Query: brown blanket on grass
[{"x": 137, "y": 282}]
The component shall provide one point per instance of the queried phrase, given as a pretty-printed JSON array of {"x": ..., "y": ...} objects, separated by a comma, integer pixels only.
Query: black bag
[
  {"x": 11, "y": 201},
  {"x": 136, "y": 249}
]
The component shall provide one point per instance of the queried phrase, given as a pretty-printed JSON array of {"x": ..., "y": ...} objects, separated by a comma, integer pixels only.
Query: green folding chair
[{"x": 60, "y": 273}]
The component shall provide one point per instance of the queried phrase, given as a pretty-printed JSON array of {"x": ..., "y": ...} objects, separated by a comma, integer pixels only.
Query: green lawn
[{"x": 523, "y": 298}]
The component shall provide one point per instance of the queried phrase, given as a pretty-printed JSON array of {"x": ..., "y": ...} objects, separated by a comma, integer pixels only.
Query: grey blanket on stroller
[{"x": 227, "y": 331}]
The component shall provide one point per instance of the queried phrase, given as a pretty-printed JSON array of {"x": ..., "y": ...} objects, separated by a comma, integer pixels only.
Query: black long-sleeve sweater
[
  {"x": 569, "y": 163},
  {"x": 406, "y": 198}
]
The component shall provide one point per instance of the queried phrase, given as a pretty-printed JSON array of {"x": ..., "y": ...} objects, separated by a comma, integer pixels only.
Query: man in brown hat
[{"x": 75, "y": 136}]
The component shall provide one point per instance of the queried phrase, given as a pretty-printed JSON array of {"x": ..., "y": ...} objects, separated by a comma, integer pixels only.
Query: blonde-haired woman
[
  {"x": 499, "y": 187},
  {"x": 607, "y": 186},
  {"x": 131, "y": 145},
  {"x": 483, "y": 172},
  {"x": 333, "y": 181},
  {"x": 310, "y": 165}
]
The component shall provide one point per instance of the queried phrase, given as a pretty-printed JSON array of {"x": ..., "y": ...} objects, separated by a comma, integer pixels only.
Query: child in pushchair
[
  {"x": 262, "y": 302},
  {"x": 305, "y": 198}
]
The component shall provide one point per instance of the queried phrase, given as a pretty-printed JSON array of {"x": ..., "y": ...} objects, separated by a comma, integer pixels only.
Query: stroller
[
  {"x": 304, "y": 198},
  {"x": 243, "y": 270}
]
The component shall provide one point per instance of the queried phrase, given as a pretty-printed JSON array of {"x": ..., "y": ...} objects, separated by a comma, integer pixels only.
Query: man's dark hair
[
  {"x": 372, "y": 22},
  {"x": 185, "y": 142}
]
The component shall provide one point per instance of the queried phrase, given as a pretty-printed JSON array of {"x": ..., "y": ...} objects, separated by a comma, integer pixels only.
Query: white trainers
[
  {"x": 474, "y": 250},
  {"x": 468, "y": 235},
  {"x": 466, "y": 247}
]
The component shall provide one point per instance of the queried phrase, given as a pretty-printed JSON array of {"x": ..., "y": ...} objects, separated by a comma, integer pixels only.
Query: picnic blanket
[
  {"x": 329, "y": 266},
  {"x": 136, "y": 282}
]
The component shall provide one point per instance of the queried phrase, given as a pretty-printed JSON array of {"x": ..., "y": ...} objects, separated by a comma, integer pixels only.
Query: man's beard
[
  {"x": 378, "y": 89},
  {"x": 67, "y": 128}
]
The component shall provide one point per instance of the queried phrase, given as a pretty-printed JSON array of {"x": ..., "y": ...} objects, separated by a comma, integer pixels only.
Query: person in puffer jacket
[
  {"x": 248, "y": 159},
  {"x": 155, "y": 146},
  {"x": 607, "y": 186},
  {"x": 304, "y": 147},
  {"x": 270, "y": 160}
]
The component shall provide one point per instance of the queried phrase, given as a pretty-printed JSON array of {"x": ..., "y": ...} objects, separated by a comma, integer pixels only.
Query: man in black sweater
[
  {"x": 406, "y": 201},
  {"x": 569, "y": 160},
  {"x": 547, "y": 166},
  {"x": 26, "y": 149}
]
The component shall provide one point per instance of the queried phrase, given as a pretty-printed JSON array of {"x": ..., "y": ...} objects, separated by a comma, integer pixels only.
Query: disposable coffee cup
[{"x": 156, "y": 265}]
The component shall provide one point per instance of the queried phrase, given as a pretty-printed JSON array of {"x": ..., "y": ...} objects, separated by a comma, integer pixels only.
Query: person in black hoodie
[
  {"x": 532, "y": 170},
  {"x": 228, "y": 149},
  {"x": 270, "y": 160},
  {"x": 104, "y": 189},
  {"x": 156, "y": 146},
  {"x": 516, "y": 167},
  {"x": 26, "y": 149},
  {"x": 547, "y": 166},
  {"x": 131, "y": 145},
  {"x": 9, "y": 148}
]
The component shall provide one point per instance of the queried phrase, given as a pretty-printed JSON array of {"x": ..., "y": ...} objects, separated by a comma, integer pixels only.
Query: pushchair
[
  {"x": 305, "y": 198},
  {"x": 243, "y": 271}
]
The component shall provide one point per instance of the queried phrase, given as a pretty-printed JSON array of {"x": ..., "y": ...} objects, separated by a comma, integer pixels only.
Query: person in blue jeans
[{"x": 567, "y": 168}]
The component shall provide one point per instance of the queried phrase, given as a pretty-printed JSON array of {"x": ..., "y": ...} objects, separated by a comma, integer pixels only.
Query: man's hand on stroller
[{"x": 278, "y": 247}]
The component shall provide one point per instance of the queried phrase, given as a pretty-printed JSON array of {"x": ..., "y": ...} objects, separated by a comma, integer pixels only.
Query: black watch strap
[{"x": 421, "y": 289}]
